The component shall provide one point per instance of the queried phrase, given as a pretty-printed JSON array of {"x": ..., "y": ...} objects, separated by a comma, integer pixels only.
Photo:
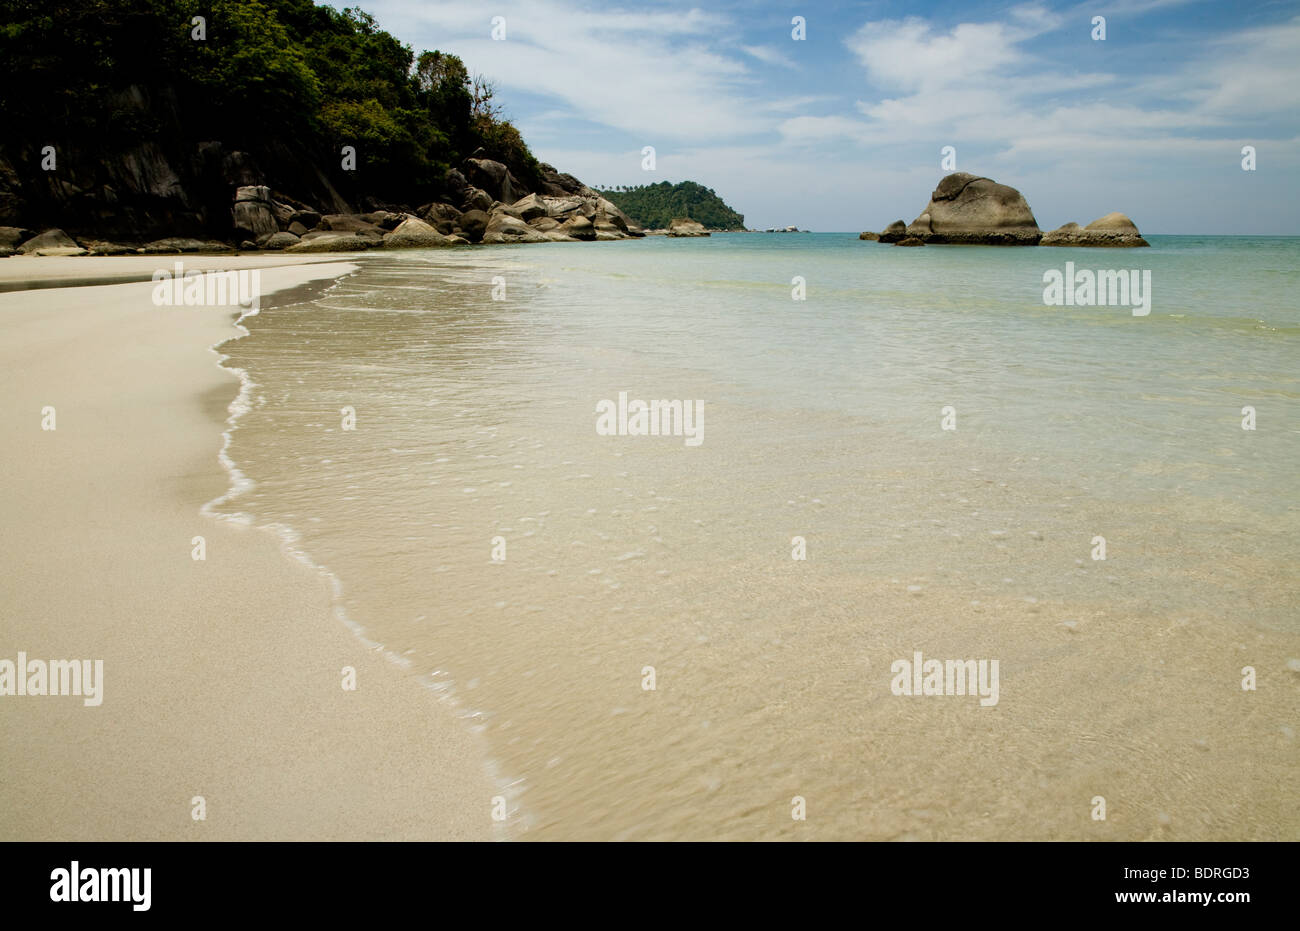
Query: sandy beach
[{"x": 222, "y": 678}]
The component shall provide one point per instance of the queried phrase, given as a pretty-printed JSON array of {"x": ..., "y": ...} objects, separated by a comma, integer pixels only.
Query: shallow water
[{"x": 1120, "y": 678}]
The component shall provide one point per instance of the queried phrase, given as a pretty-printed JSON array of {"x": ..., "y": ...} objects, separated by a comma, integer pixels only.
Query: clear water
[{"x": 1120, "y": 678}]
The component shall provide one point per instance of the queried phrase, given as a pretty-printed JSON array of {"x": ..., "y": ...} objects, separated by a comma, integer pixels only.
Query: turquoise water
[{"x": 822, "y": 419}]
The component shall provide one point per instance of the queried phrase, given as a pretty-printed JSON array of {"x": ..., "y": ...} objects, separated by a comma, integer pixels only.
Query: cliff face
[
  {"x": 137, "y": 120},
  {"x": 171, "y": 184}
]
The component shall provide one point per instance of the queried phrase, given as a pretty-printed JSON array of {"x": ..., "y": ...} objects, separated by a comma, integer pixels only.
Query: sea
[{"x": 864, "y": 460}]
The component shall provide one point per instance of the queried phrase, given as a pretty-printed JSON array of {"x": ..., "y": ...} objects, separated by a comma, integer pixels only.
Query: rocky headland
[{"x": 495, "y": 207}]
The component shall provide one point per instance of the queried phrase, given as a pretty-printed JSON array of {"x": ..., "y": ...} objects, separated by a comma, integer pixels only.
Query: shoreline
[{"x": 222, "y": 677}]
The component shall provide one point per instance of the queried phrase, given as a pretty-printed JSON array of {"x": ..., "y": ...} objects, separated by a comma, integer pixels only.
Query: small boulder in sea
[
  {"x": 1114, "y": 230},
  {"x": 911, "y": 241},
  {"x": 51, "y": 242},
  {"x": 870, "y": 237},
  {"x": 894, "y": 232}
]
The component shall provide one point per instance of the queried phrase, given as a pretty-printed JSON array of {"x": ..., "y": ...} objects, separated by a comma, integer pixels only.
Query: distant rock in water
[
  {"x": 681, "y": 226},
  {"x": 1114, "y": 230},
  {"x": 968, "y": 209},
  {"x": 965, "y": 208}
]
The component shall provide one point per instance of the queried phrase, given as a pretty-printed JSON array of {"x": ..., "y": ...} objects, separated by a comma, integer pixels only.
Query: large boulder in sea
[
  {"x": 966, "y": 208},
  {"x": 1114, "y": 230}
]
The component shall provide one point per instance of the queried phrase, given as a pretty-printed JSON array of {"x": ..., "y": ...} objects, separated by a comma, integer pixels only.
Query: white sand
[{"x": 222, "y": 678}]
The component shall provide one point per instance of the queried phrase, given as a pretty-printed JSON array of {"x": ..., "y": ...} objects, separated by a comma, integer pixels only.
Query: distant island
[{"x": 655, "y": 206}]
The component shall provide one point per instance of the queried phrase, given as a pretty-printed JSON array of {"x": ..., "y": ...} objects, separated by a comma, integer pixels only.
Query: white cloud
[
  {"x": 661, "y": 75},
  {"x": 768, "y": 55}
]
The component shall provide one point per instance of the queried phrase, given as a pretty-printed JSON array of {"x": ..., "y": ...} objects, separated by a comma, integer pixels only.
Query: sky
[{"x": 843, "y": 130}]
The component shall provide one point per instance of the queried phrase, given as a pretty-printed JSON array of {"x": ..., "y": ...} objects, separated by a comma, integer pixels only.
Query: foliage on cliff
[
  {"x": 267, "y": 77},
  {"x": 654, "y": 206}
]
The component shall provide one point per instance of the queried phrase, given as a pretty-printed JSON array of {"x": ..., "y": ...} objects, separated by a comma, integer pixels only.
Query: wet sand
[{"x": 222, "y": 677}]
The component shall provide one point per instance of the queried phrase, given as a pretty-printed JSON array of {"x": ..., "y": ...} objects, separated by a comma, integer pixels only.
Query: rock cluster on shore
[
  {"x": 967, "y": 209},
  {"x": 484, "y": 203}
]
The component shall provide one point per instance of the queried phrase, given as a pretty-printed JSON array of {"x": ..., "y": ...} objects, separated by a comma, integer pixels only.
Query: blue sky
[{"x": 843, "y": 130}]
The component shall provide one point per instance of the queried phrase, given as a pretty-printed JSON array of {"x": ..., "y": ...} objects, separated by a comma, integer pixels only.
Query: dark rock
[
  {"x": 310, "y": 219},
  {"x": 349, "y": 223},
  {"x": 473, "y": 224},
  {"x": 278, "y": 241},
  {"x": 495, "y": 178},
  {"x": 894, "y": 232},
  {"x": 530, "y": 208},
  {"x": 910, "y": 241},
  {"x": 579, "y": 227},
  {"x": 477, "y": 199},
  {"x": 255, "y": 217},
  {"x": 334, "y": 242},
  {"x": 11, "y": 237}
]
